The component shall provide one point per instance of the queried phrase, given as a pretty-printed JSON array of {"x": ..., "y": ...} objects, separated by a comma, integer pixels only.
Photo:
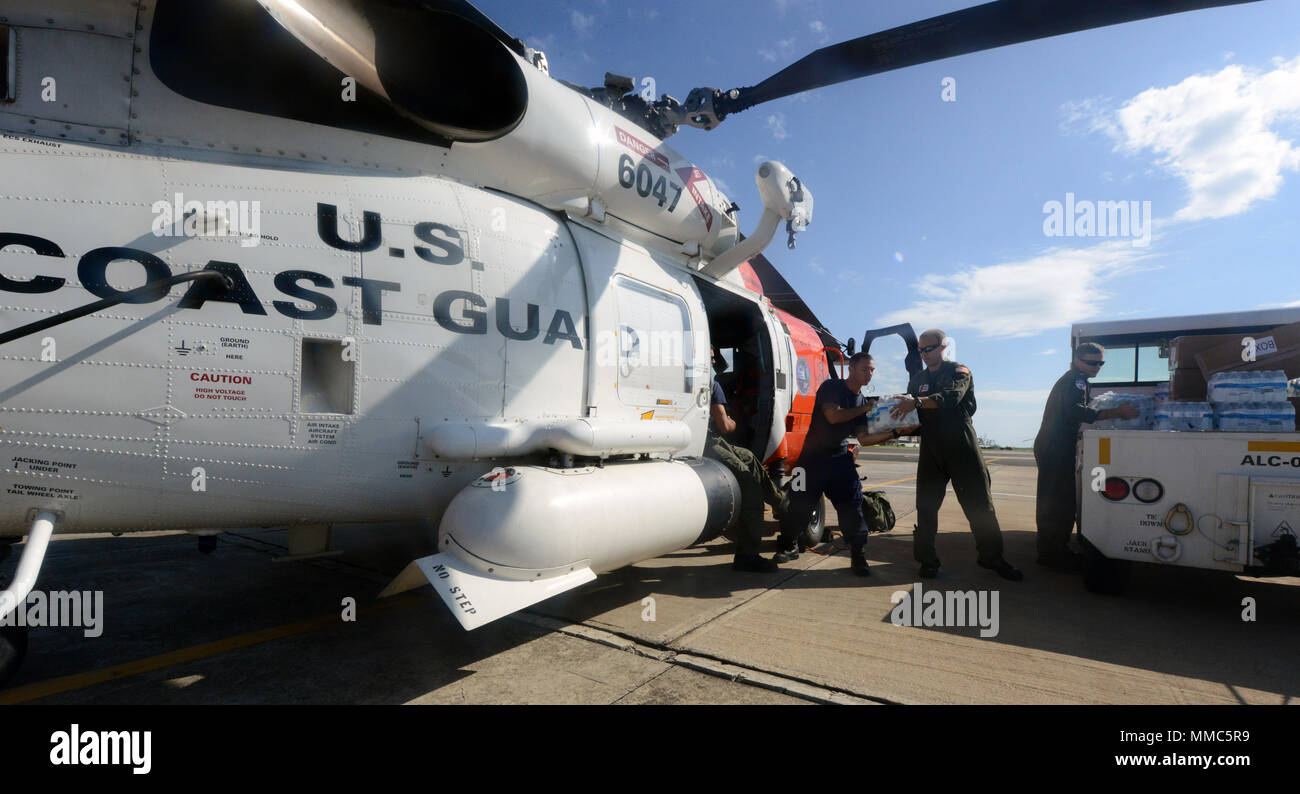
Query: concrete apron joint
[{"x": 718, "y": 668}]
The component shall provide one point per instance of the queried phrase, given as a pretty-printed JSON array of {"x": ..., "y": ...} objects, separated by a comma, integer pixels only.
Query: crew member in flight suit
[
  {"x": 827, "y": 465},
  {"x": 1055, "y": 450},
  {"x": 944, "y": 397},
  {"x": 756, "y": 484}
]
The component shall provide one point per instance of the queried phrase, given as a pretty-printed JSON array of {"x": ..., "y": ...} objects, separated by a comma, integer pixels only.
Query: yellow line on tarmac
[
  {"x": 891, "y": 482},
  {"x": 905, "y": 479},
  {"x": 68, "y": 683}
]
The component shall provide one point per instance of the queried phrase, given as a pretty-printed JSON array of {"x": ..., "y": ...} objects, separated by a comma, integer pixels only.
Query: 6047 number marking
[{"x": 645, "y": 183}]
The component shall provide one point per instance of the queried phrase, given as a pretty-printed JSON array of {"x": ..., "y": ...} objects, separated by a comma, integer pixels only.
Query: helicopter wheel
[
  {"x": 13, "y": 649},
  {"x": 817, "y": 531}
]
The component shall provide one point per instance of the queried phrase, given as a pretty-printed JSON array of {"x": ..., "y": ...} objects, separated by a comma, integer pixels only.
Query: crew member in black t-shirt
[{"x": 826, "y": 464}]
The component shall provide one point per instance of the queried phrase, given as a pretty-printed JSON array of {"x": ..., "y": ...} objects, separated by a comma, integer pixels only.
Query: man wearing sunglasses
[
  {"x": 944, "y": 396},
  {"x": 1054, "y": 450}
]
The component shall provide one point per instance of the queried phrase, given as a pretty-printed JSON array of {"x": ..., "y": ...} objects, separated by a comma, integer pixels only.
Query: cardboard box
[
  {"x": 1183, "y": 349},
  {"x": 1187, "y": 385},
  {"x": 1275, "y": 349}
]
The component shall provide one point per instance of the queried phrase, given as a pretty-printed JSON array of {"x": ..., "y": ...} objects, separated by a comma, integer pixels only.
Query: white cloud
[
  {"x": 816, "y": 266},
  {"x": 1276, "y": 305},
  {"x": 1217, "y": 132},
  {"x": 1051, "y": 351},
  {"x": 890, "y": 377},
  {"x": 541, "y": 42},
  {"x": 776, "y": 123},
  {"x": 783, "y": 50},
  {"x": 785, "y": 5},
  {"x": 1092, "y": 114},
  {"x": 1051, "y": 290},
  {"x": 582, "y": 23},
  {"x": 820, "y": 30}
]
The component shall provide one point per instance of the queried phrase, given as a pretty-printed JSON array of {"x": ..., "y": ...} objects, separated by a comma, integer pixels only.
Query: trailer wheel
[
  {"x": 1102, "y": 574},
  {"x": 817, "y": 531}
]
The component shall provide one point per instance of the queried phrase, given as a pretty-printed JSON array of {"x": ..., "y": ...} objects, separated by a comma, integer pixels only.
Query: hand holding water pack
[{"x": 880, "y": 420}]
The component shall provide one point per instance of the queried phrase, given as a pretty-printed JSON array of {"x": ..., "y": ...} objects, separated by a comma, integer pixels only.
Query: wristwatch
[
  {"x": 894, "y": 432},
  {"x": 916, "y": 401}
]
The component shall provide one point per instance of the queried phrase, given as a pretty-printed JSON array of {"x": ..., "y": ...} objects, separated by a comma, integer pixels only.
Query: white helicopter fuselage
[
  {"x": 307, "y": 401},
  {"x": 404, "y": 317}
]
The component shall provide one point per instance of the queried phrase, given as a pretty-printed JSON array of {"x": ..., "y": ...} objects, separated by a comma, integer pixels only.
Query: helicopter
[{"x": 351, "y": 280}]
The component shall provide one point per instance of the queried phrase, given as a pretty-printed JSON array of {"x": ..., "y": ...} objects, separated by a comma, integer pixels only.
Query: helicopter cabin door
[
  {"x": 759, "y": 377},
  {"x": 649, "y": 358},
  {"x": 783, "y": 380}
]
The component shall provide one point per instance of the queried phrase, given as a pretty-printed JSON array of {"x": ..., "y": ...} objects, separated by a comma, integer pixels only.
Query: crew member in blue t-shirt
[{"x": 827, "y": 465}]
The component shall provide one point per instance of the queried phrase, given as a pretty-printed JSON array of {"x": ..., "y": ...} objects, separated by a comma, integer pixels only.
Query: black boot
[
  {"x": 858, "y": 560},
  {"x": 786, "y": 553},
  {"x": 752, "y": 563},
  {"x": 1003, "y": 568}
]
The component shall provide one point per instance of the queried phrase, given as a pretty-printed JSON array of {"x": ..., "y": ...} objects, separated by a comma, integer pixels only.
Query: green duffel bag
[{"x": 877, "y": 510}]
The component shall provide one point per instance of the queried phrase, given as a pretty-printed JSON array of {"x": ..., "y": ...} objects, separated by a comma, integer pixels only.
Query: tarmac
[{"x": 236, "y": 627}]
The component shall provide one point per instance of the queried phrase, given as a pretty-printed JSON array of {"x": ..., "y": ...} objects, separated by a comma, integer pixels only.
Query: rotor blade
[{"x": 983, "y": 27}]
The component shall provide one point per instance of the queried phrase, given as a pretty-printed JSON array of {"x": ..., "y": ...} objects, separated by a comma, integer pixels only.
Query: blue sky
[{"x": 932, "y": 212}]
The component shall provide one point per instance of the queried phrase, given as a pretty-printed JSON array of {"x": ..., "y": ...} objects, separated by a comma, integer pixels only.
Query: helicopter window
[
  {"x": 8, "y": 56},
  {"x": 655, "y": 347},
  {"x": 327, "y": 377},
  {"x": 236, "y": 55}
]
